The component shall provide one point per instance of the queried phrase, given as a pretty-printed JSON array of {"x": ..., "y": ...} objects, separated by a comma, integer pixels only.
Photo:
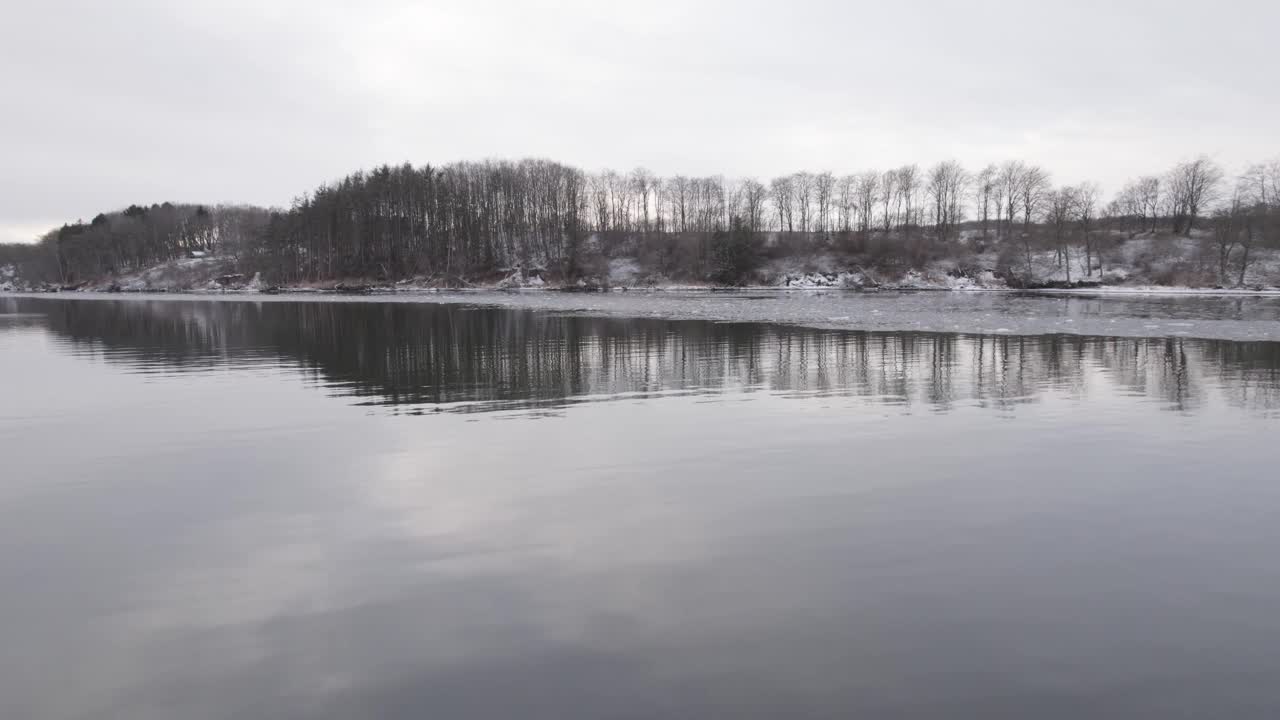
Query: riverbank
[
  {"x": 1255, "y": 318},
  {"x": 409, "y": 288},
  {"x": 1145, "y": 265}
]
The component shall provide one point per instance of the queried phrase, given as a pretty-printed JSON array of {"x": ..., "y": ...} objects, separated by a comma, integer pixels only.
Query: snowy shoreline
[
  {"x": 1218, "y": 316},
  {"x": 1144, "y": 265},
  {"x": 391, "y": 290}
]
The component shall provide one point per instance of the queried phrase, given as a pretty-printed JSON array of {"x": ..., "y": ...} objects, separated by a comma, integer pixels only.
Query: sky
[{"x": 243, "y": 101}]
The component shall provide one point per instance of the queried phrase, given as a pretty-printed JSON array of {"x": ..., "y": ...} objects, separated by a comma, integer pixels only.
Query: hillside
[
  {"x": 1146, "y": 260},
  {"x": 541, "y": 223}
]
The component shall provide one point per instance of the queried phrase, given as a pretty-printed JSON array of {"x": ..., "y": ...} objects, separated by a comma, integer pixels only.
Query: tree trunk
[{"x": 1244, "y": 260}]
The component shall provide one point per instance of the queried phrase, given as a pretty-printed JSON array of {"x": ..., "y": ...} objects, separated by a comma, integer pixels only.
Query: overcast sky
[{"x": 111, "y": 103}]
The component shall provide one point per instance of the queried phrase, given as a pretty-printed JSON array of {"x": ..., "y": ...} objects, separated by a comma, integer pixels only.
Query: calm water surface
[{"x": 347, "y": 510}]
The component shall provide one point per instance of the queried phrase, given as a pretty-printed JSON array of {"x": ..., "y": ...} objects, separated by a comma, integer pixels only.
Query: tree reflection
[{"x": 411, "y": 357}]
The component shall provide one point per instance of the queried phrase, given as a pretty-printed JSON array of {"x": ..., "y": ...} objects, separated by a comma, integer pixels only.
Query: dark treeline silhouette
[
  {"x": 468, "y": 219},
  {"x": 455, "y": 220},
  {"x": 471, "y": 220},
  {"x": 134, "y": 238},
  {"x": 425, "y": 358}
]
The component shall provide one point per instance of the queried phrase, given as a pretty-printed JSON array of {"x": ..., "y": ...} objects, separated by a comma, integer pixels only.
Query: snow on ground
[
  {"x": 1146, "y": 263},
  {"x": 1163, "y": 290},
  {"x": 826, "y": 271},
  {"x": 175, "y": 275},
  {"x": 1265, "y": 271},
  {"x": 813, "y": 280},
  {"x": 1028, "y": 314},
  {"x": 939, "y": 277},
  {"x": 624, "y": 272},
  {"x": 518, "y": 278}
]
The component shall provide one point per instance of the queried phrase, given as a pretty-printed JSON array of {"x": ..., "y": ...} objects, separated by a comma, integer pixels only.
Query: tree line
[
  {"x": 466, "y": 219},
  {"x": 134, "y": 238},
  {"x": 474, "y": 217}
]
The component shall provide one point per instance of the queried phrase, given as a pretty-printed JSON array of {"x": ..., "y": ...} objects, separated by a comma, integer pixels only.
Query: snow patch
[
  {"x": 518, "y": 278},
  {"x": 623, "y": 271},
  {"x": 814, "y": 280}
]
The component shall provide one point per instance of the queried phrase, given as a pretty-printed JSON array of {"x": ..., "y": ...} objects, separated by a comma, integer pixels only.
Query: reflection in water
[
  {"x": 826, "y": 525},
  {"x": 424, "y": 358}
]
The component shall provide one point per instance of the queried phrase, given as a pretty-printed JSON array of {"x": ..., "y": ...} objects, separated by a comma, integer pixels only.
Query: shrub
[{"x": 735, "y": 254}]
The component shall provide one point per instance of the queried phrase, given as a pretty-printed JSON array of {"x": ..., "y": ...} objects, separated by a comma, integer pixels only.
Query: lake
[{"x": 232, "y": 508}]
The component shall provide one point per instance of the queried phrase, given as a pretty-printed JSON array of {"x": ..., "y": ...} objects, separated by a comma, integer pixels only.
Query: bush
[{"x": 735, "y": 255}]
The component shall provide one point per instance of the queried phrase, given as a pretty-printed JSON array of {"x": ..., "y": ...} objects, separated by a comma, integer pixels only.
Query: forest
[
  {"x": 135, "y": 237},
  {"x": 473, "y": 222}
]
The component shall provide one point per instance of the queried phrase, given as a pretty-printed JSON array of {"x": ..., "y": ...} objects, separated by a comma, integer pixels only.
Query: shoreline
[
  {"x": 392, "y": 291},
  {"x": 986, "y": 312}
]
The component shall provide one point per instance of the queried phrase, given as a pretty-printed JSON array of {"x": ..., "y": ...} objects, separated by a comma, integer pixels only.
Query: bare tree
[
  {"x": 1034, "y": 187},
  {"x": 868, "y": 189},
  {"x": 824, "y": 188},
  {"x": 960, "y": 180},
  {"x": 1009, "y": 183},
  {"x": 599, "y": 189},
  {"x": 1086, "y": 208},
  {"x": 1259, "y": 183},
  {"x": 781, "y": 189},
  {"x": 619, "y": 200},
  {"x": 1148, "y": 199},
  {"x": 984, "y": 192},
  {"x": 1259, "y": 188},
  {"x": 944, "y": 187},
  {"x": 888, "y": 193},
  {"x": 643, "y": 182},
  {"x": 1138, "y": 203},
  {"x": 908, "y": 185},
  {"x": 1191, "y": 187},
  {"x": 1251, "y": 220},
  {"x": 754, "y": 197},
  {"x": 847, "y": 200},
  {"x": 802, "y": 186},
  {"x": 682, "y": 198},
  {"x": 1227, "y": 223},
  {"x": 1060, "y": 213}
]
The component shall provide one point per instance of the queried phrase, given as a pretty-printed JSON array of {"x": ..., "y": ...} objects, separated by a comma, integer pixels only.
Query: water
[
  {"x": 1238, "y": 317},
  {"x": 397, "y": 510}
]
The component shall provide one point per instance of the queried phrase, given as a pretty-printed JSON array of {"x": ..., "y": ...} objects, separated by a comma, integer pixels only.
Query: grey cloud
[{"x": 109, "y": 104}]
